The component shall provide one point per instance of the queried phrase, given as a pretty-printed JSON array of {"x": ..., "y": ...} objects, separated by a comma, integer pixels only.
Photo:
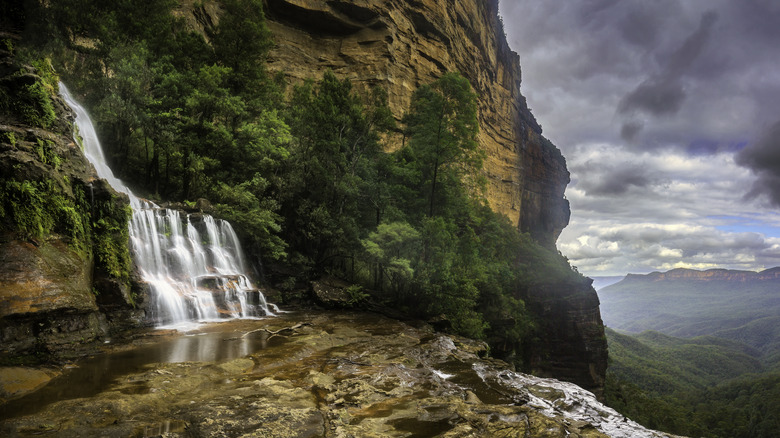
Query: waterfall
[{"x": 193, "y": 263}]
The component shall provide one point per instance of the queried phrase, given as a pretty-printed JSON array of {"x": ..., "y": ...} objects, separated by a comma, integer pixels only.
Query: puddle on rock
[
  {"x": 213, "y": 343},
  {"x": 420, "y": 428}
]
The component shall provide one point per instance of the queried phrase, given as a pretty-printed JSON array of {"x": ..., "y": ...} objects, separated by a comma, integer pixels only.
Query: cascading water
[{"x": 193, "y": 263}]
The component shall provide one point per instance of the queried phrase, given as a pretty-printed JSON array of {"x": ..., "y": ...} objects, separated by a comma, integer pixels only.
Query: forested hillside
[
  {"x": 721, "y": 379},
  {"x": 695, "y": 387}
]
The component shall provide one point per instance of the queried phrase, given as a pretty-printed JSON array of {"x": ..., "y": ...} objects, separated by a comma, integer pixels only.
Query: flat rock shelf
[{"x": 307, "y": 374}]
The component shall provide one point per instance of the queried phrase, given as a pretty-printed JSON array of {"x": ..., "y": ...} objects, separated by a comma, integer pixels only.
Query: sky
[{"x": 668, "y": 114}]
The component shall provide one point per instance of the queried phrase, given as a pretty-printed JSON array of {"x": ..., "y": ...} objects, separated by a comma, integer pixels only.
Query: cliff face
[
  {"x": 400, "y": 45},
  {"x": 574, "y": 346},
  {"x": 55, "y": 292}
]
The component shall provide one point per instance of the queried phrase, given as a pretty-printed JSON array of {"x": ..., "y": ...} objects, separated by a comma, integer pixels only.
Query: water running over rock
[{"x": 193, "y": 263}]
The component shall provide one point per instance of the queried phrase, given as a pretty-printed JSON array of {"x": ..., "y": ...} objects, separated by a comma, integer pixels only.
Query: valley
[{"x": 695, "y": 353}]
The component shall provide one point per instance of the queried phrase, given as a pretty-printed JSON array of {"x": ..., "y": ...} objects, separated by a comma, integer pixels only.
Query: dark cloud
[
  {"x": 758, "y": 19},
  {"x": 763, "y": 158},
  {"x": 599, "y": 179},
  {"x": 683, "y": 57},
  {"x": 640, "y": 28},
  {"x": 663, "y": 93},
  {"x": 630, "y": 130},
  {"x": 656, "y": 96}
]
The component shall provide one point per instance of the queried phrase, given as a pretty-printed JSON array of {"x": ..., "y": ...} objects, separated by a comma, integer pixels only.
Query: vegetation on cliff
[
  {"x": 301, "y": 170},
  {"x": 44, "y": 189}
]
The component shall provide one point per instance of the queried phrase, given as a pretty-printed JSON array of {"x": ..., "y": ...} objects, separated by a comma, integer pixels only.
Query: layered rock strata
[{"x": 400, "y": 45}]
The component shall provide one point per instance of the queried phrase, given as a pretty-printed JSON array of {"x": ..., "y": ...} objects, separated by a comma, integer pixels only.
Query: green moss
[
  {"x": 49, "y": 77},
  {"x": 45, "y": 151},
  {"x": 33, "y": 103},
  {"x": 29, "y": 97},
  {"x": 9, "y": 137},
  {"x": 8, "y": 45},
  {"x": 112, "y": 237},
  {"x": 38, "y": 209}
]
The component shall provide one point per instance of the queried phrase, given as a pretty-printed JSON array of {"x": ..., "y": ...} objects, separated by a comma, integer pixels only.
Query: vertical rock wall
[
  {"x": 54, "y": 298},
  {"x": 402, "y": 44}
]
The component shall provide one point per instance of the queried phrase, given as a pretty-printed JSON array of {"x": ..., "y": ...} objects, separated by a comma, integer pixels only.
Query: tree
[
  {"x": 241, "y": 42},
  {"x": 392, "y": 247},
  {"x": 332, "y": 160},
  {"x": 442, "y": 128}
]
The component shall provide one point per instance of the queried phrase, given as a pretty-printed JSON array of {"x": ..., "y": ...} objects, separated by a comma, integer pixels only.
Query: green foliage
[
  {"x": 241, "y": 43},
  {"x": 329, "y": 168},
  {"x": 442, "y": 128},
  {"x": 392, "y": 247},
  {"x": 244, "y": 206},
  {"x": 45, "y": 151},
  {"x": 37, "y": 209},
  {"x": 8, "y": 45},
  {"x": 703, "y": 386},
  {"x": 9, "y": 137},
  {"x": 111, "y": 238},
  {"x": 49, "y": 77},
  {"x": 32, "y": 102},
  {"x": 356, "y": 295},
  {"x": 27, "y": 96}
]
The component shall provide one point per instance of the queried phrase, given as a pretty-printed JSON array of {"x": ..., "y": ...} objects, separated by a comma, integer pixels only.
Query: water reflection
[{"x": 95, "y": 374}]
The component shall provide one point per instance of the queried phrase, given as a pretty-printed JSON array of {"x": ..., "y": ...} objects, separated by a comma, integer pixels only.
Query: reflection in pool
[{"x": 95, "y": 374}]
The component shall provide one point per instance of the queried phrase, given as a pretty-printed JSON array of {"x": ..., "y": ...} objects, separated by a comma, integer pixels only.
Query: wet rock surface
[{"x": 315, "y": 374}]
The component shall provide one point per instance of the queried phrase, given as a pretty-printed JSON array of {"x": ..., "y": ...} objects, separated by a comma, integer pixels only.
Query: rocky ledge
[{"x": 321, "y": 374}]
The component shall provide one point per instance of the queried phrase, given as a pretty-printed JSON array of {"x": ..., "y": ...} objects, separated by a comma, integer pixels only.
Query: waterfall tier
[{"x": 193, "y": 263}]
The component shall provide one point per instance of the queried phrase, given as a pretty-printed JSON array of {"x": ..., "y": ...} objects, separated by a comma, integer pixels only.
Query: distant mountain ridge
[
  {"x": 708, "y": 275},
  {"x": 688, "y": 303}
]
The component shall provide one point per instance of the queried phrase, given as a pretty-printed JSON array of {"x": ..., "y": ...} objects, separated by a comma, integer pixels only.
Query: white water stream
[{"x": 193, "y": 263}]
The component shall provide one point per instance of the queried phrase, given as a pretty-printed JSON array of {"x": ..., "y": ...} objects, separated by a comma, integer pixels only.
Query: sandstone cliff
[
  {"x": 402, "y": 44},
  {"x": 56, "y": 288}
]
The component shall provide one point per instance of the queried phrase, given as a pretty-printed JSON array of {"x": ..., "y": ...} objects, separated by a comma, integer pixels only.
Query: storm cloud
[
  {"x": 663, "y": 93},
  {"x": 763, "y": 158},
  {"x": 666, "y": 112}
]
